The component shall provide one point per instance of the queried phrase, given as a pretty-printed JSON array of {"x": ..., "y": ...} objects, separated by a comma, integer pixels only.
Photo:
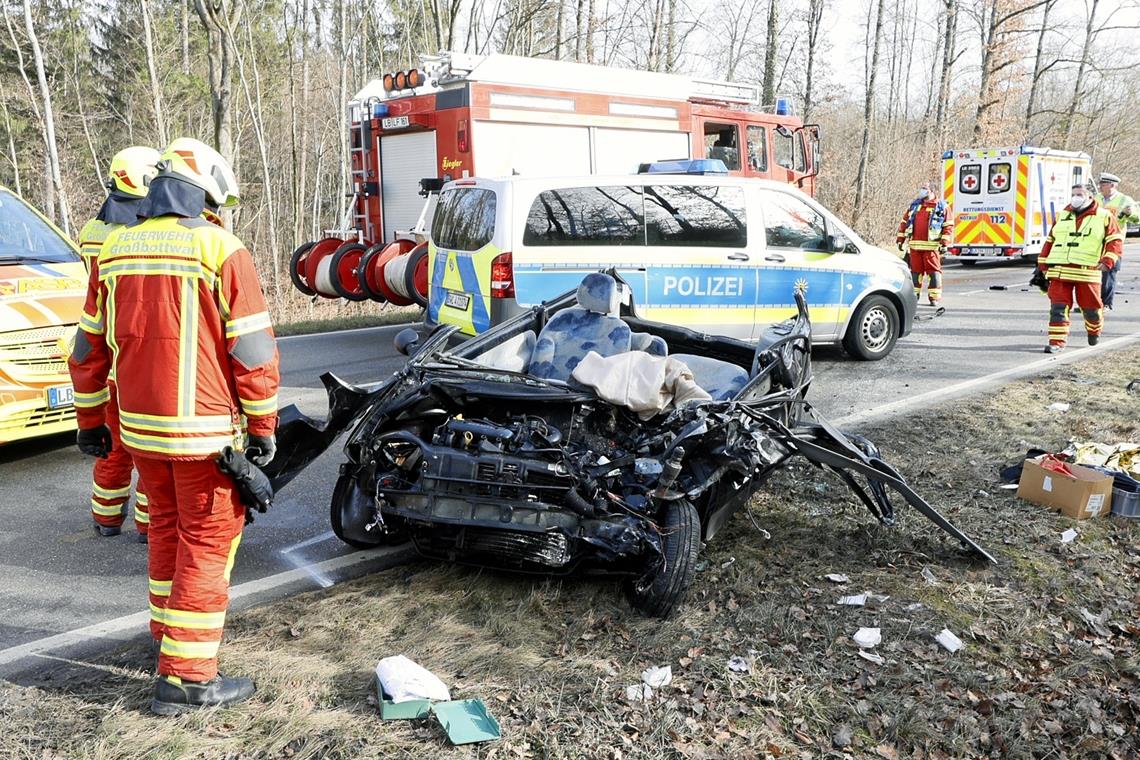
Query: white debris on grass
[
  {"x": 871, "y": 656},
  {"x": 949, "y": 641},
  {"x": 868, "y": 637},
  {"x": 928, "y": 576},
  {"x": 1059, "y": 406},
  {"x": 837, "y": 577},
  {"x": 657, "y": 677},
  {"x": 638, "y": 693},
  {"x": 857, "y": 600},
  {"x": 738, "y": 664},
  {"x": 1069, "y": 536}
]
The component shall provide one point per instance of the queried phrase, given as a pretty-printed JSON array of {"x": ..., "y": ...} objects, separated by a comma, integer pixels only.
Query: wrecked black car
[{"x": 503, "y": 451}]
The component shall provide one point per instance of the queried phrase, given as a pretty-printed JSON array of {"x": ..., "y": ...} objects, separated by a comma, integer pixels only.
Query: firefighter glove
[
  {"x": 1039, "y": 280},
  {"x": 95, "y": 442},
  {"x": 261, "y": 449}
]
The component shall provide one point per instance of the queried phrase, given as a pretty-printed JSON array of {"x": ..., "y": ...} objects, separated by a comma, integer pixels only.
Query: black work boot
[
  {"x": 107, "y": 530},
  {"x": 1094, "y": 339},
  {"x": 174, "y": 696}
]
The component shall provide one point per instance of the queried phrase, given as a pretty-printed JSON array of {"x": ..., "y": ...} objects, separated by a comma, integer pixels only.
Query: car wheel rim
[{"x": 876, "y": 329}]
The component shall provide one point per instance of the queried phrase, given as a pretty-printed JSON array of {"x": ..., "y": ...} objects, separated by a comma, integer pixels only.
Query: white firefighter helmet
[
  {"x": 201, "y": 165},
  {"x": 132, "y": 169}
]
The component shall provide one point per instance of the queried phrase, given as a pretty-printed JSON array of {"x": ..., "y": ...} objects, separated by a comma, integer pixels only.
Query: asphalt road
[{"x": 56, "y": 575}]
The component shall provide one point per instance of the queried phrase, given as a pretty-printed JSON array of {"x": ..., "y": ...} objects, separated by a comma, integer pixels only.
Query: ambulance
[
  {"x": 1003, "y": 201},
  {"x": 43, "y": 284},
  {"x": 718, "y": 254}
]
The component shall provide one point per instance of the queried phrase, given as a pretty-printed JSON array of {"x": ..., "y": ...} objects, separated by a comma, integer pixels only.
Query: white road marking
[
  {"x": 994, "y": 379},
  {"x": 130, "y": 626},
  {"x": 314, "y": 540}
]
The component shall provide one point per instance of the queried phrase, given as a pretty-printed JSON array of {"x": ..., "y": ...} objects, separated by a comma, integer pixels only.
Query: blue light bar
[
  {"x": 783, "y": 106},
  {"x": 685, "y": 166},
  {"x": 379, "y": 110}
]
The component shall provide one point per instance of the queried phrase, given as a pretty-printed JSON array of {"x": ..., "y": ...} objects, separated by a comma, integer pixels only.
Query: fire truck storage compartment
[
  {"x": 534, "y": 150},
  {"x": 405, "y": 159},
  {"x": 620, "y": 151}
]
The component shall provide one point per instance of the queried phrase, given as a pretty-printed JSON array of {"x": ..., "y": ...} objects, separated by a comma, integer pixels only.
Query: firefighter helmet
[
  {"x": 132, "y": 169},
  {"x": 199, "y": 164}
]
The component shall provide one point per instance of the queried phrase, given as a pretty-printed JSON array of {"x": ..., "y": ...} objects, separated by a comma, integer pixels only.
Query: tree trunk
[
  {"x": 941, "y": 113},
  {"x": 1037, "y": 72},
  {"x": 219, "y": 18},
  {"x": 1071, "y": 113},
  {"x": 63, "y": 217},
  {"x": 155, "y": 86},
  {"x": 768, "y": 88},
  {"x": 11, "y": 141},
  {"x": 591, "y": 22},
  {"x": 868, "y": 116},
  {"x": 671, "y": 38},
  {"x": 930, "y": 91},
  {"x": 558, "y": 22},
  {"x": 815, "y": 27}
]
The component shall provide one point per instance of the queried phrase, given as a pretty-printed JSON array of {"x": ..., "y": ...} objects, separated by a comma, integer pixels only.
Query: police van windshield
[{"x": 25, "y": 237}]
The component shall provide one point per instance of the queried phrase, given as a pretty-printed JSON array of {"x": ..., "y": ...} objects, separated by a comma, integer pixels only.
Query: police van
[{"x": 717, "y": 254}]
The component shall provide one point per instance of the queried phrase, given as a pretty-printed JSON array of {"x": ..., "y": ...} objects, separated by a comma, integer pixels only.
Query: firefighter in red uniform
[
  {"x": 925, "y": 230},
  {"x": 175, "y": 308},
  {"x": 1085, "y": 241},
  {"x": 131, "y": 172}
]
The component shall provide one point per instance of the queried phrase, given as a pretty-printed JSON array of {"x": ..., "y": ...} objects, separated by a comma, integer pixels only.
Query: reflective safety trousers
[{"x": 175, "y": 311}]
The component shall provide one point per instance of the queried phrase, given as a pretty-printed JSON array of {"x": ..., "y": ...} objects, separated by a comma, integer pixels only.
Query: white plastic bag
[{"x": 403, "y": 680}]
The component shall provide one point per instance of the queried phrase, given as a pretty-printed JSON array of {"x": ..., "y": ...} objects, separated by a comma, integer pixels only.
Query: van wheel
[
  {"x": 657, "y": 594},
  {"x": 873, "y": 330}
]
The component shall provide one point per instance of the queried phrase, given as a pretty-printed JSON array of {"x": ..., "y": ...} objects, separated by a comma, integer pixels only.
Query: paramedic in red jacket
[
  {"x": 174, "y": 306},
  {"x": 1085, "y": 241},
  {"x": 925, "y": 230}
]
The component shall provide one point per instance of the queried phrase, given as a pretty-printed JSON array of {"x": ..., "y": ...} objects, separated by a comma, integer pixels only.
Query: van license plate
[
  {"x": 394, "y": 122},
  {"x": 457, "y": 300},
  {"x": 60, "y": 395}
]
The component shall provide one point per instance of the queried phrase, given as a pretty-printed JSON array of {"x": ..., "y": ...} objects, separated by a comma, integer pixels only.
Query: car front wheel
[
  {"x": 873, "y": 330},
  {"x": 657, "y": 594}
]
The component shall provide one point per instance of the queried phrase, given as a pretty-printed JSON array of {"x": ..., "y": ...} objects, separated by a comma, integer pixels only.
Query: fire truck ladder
[{"x": 358, "y": 153}]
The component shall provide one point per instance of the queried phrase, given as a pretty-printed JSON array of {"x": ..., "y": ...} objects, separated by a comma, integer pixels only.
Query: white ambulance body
[{"x": 1003, "y": 201}]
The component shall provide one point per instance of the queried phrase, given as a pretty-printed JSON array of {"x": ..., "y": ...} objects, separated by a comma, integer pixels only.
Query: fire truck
[
  {"x": 462, "y": 115},
  {"x": 1004, "y": 200}
]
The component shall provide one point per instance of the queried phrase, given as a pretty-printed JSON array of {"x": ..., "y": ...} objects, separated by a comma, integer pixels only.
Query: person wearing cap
[
  {"x": 174, "y": 304},
  {"x": 1126, "y": 212},
  {"x": 925, "y": 232},
  {"x": 1085, "y": 242}
]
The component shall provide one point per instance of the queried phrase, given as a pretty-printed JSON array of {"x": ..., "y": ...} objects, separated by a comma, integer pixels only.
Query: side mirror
[
  {"x": 837, "y": 242},
  {"x": 405, "y": 341}
]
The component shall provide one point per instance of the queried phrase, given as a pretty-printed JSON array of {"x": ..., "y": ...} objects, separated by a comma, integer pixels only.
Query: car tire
[
  {"x": 873, "y": 329},
  {"x": 659, "y": 594}
]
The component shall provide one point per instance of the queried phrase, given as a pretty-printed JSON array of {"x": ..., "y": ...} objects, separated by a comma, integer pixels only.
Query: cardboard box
[{"x": 1086, "y": 494}]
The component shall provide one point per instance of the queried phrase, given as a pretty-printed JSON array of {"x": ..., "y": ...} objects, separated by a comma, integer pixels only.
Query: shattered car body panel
[{"x": 495, "y": 467}]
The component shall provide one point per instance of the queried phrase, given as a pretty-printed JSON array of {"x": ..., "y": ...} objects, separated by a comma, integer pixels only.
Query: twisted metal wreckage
[{"x": 476, "y": 460}]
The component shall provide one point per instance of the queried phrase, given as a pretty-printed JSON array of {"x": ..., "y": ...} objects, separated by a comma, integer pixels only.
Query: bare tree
[
  {"x": 219, "y": 18},
  {"x": 1038, "y": 68},
  {"x": 1078, "y": 85},
  {"x": 949, "y": 57},
  {"x": 155, "y": 86},
  {"x": 768, "y": 88},
  {"x": 11, "y": 140},
  {"x": 814, "y": 32},
  {"x": 868, "y": 115},
  {"x": 996, "y": 21},
  {"x": 50, "y": 144}
]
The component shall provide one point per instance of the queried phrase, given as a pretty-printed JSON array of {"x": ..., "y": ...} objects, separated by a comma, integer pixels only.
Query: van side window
[
  {"x": 757, "y": 148},
  {"x": 695, "y": 215},
  {"x": 800, "y": 157},
  {"x": 464, "y": 219},
  {"x": 970, "y": 179},
  {"x": 586, "y": 216},
  {"x": 791, "y": 223},
  {"x": 1078, "y": 175},
  {"x": 999, "y": 178},
  {"x": 721, "y": 143},
  {"x": 782, "y": 147}
]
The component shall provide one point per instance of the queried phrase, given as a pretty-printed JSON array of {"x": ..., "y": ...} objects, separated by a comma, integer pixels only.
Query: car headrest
[{"x": 599, "y": 293}]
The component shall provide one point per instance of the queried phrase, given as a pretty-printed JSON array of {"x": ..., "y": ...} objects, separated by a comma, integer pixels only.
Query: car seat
[
  {"x": 592, "y": 325},
  {"x": 651, "y": 344},
  {"x": 720, "y": 379}
]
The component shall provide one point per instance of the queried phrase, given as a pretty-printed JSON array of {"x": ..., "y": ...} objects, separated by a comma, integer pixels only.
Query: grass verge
[
  {"x": 391, "y": 316},
  {"x": 1050, "y": 667}
]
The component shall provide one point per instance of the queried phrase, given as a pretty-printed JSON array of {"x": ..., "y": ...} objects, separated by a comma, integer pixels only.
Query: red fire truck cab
[{"x": 462, "y": 115}]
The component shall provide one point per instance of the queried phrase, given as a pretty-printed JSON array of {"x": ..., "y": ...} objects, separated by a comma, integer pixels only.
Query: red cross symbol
[
  {"x": 1052, "y": 178},
  {"x": 970, "y": 181},
  {"x": 999, "y": 181}
]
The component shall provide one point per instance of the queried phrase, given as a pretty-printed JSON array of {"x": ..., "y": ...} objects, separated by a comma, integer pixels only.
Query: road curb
[{"x": 98, "y": 637}]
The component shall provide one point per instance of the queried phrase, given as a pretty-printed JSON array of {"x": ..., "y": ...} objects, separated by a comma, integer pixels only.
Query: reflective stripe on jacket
[
  {"x": 925, "y": 224},
  {"x": 91, "y": 239},
  {"x": 1119, "y": 202},
  {"x": 175, "y": 309},
  {"x": 1078, "y": 242}
]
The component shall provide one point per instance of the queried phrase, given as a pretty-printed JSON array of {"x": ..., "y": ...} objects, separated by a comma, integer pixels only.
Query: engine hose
[
  {"x": 483, "y": 429},
  {"x": 578, "y": 503}
]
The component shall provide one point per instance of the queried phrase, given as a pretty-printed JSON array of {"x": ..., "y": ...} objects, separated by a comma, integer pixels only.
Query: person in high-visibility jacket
[
  {"x": 925, "y": 232},
  {"x": 175, "y": 307},
  {"x": 1127, "y": 212},
  {"x": 1085, "y": 241},
  {"x": 130, "y": 174}
]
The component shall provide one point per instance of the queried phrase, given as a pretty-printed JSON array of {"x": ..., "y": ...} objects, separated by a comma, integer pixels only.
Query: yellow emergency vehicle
[{"x": 42, "y": 287}]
